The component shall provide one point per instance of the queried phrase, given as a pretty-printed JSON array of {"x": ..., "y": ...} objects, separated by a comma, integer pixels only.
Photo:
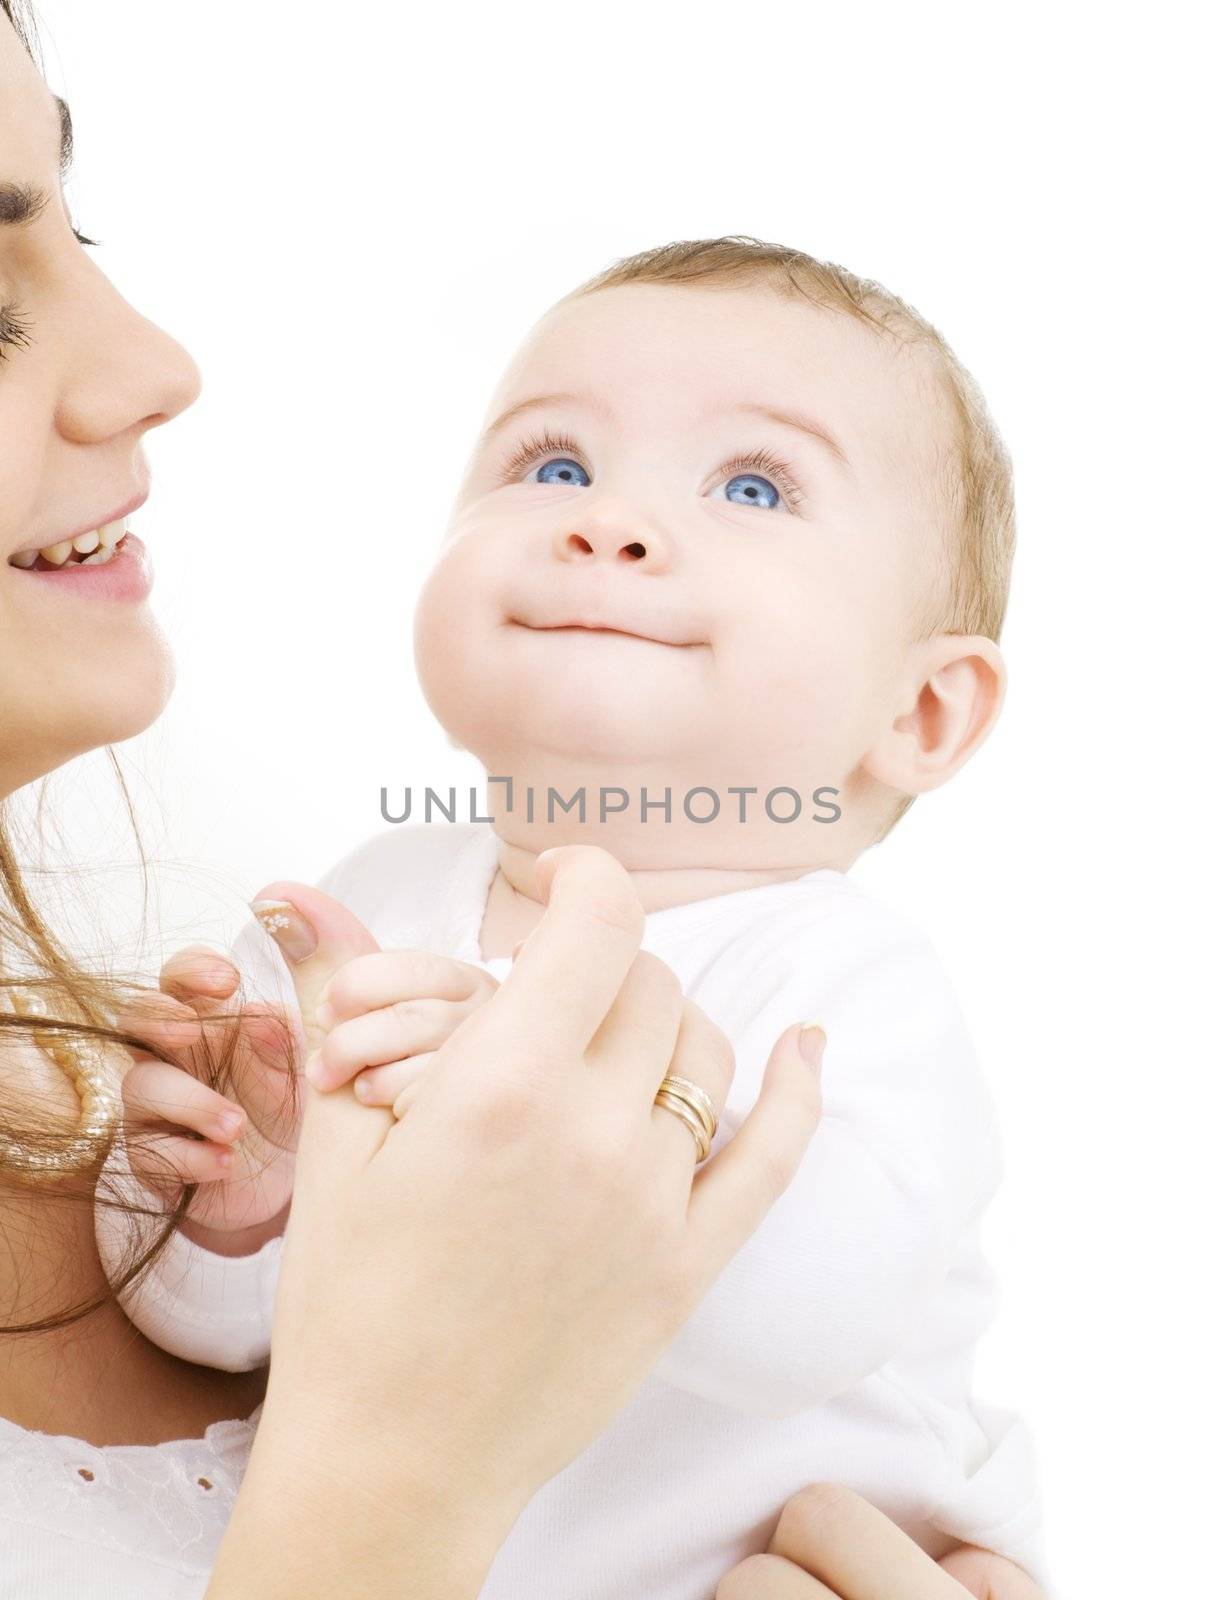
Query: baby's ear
[{"x": 953, "y": 692}]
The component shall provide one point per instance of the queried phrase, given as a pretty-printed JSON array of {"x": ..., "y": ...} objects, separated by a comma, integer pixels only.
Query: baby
[{"x": 728, "y": 562}]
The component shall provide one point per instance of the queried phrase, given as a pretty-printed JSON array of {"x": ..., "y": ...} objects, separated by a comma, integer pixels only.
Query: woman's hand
[
  {"x": 831, "y": 1544},
  {"x": 468, "y": 1295},
  {"x": 238, "y": 1147}
]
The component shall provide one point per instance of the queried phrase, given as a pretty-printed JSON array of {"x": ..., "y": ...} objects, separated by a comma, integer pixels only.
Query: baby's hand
[
  {"x": 386, "y": 1014},
  {"x": 173, "y": 1120}
]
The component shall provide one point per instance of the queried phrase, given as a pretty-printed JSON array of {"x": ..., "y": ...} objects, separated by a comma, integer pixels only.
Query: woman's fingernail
[
  {"x": 230, "y": 1121},
  {"x": 224, "y": 1157},
  {"x": 363, "y": 1087},
  {"x": 313, "y": 1071},
  {"x": 287, "y": 927},
  {"x": 812, "y": 1042}
]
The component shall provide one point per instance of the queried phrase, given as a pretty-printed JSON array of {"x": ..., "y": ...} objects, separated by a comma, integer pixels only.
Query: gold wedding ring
[{"x": 693, "y": 1106}]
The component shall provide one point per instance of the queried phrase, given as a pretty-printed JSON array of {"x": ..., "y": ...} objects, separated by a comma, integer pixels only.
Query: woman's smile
[
  {"x": 115, "y": 567},
  {"x": 93, "y": 549},
  {"x": 105, "y": 561}
]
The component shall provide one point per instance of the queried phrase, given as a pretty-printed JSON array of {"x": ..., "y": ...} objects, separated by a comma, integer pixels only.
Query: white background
[{"x": 351, "y": 218}]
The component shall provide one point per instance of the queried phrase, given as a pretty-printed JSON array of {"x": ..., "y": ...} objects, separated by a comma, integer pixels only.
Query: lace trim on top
[{"x": 166, "y": 1502}]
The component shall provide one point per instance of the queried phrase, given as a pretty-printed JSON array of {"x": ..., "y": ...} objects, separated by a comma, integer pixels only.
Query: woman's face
[{"x": 82, "y": 378}]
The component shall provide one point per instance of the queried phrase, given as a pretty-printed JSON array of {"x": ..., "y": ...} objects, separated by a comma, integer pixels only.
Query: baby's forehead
[{"x": 662, "y": 357}]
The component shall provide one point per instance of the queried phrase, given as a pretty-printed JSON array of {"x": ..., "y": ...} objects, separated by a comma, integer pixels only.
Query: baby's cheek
[{"x": 800, "y": 702}]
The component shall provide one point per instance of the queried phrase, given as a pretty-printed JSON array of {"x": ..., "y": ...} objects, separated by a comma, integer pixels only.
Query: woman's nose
[{"x": 122, "y": 372}]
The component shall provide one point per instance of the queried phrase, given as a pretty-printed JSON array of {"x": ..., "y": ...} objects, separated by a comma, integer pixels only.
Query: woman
[{"x": 402, "y": 1430}]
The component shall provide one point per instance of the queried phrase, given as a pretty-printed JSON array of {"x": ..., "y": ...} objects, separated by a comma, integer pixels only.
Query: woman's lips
[
  {"x": 126, "y": 576},
  {"x": 87, "y": 542}
]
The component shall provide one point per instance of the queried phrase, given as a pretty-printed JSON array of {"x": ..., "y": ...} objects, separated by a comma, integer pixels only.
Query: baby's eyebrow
[
  {"x": 802, "y": 424},
  {"x": 537, "y": 401},
  {"x": 788, "y": 419}
]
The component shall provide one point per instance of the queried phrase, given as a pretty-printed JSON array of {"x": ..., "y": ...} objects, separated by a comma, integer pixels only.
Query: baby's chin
[
  {"x": 545, "y": 726},
  {"x": 496, "y": 708}
]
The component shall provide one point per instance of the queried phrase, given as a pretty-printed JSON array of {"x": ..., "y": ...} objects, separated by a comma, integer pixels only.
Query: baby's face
[{"x": 690, "y": 549}]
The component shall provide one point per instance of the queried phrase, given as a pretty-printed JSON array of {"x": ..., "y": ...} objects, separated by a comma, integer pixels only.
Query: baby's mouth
[
  {"x": 580, "y": 626},
  {"x": 92, "y": 549}
]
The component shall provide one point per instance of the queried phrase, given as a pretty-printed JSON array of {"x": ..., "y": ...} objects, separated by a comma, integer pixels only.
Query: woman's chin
[
  {"x": 70, "y": 716},
  {"x": 137, "y": 702}
]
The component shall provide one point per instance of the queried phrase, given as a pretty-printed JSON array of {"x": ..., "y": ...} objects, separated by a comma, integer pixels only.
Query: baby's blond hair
[{"x": 973, "y": 479}]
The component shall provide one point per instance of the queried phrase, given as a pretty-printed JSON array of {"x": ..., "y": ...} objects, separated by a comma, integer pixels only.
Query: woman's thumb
[{"x": 316, "y": 934}]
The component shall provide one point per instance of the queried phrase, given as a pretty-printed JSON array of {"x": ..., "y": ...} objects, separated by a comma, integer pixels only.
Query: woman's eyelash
[
  {"x": 14, "y": 329},
  {"x": 538, "y": 446}
]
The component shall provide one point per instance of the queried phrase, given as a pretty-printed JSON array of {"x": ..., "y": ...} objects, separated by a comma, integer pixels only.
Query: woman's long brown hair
[{"x": 78, "y": 1004}]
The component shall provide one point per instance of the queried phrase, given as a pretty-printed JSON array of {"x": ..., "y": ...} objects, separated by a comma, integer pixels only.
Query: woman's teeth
[{"x": 91, "y": 549}]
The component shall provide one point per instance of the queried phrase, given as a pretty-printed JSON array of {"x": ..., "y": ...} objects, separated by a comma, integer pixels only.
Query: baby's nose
[
  {"x": 614, "y": 529},
  {"x": 604, "y": 545}
]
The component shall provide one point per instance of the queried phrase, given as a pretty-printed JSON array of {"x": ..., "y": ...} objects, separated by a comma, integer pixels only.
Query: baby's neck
[{"x": 514, "y": 906}]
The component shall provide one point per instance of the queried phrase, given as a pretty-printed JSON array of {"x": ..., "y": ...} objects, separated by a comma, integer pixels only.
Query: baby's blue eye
[
  {"x": 562, "y": 470},
  {"x": 747, "y": 489}
]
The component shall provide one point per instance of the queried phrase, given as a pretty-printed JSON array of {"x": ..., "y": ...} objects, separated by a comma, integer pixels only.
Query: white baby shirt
[{"x": 837, "y": 1345}]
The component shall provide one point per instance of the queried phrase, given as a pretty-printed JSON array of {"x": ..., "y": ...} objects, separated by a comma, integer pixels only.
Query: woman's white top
[
  {"x": 838, "y": 1343},
  {"x": 119, "y": 1522}
]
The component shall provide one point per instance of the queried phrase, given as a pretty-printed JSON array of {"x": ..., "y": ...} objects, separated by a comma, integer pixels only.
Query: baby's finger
[
  {"x": 380, "y": 979},
  {"x": 274, "y": 1038},
  {"x": 380, "y": 1037},
  {"x": 380, "y": 1086},
  {"x": 768, "y": 1577},
  {"x": 164, "y": 1161},
  {"x": 982, "y": 1573},
  {"x": 153, "y": 1093},
  {"x": 159, "y": 1021},
  {"x": 270, "y": 1035},
  {"x": 855, "y": 1549},
  {"x": 199, "y": 973}
]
